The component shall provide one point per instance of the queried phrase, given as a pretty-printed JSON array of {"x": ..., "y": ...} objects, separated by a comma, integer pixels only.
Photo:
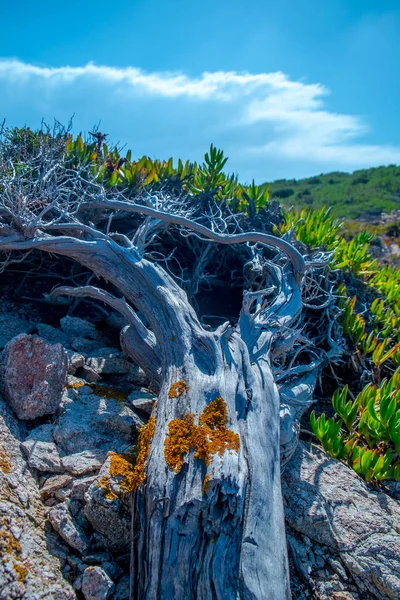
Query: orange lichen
[
  {"x": 208, "y": 438},
  {"x": 104, "y": 391},
  {"x": 12, "y": 545},
  {"x": 74, "y": 385},
  {"x": 206, "y": 483},
  {"x": 178, "y": 389},
  {"x": 105, "y": 484},
  {"x": 21, "y": 571},
  {"x": 5, "y": 461},
  {"x": 109, "y": 393},
  {"x": 178, "y": 441},
  {"x": 130, "y": 472}
]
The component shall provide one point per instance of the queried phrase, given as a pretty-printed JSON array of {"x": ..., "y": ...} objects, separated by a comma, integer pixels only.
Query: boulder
[
  {"x": 142, "y": 400},
  {"x": 41, "y": 450},
  {"x": 29, "y": 559},
  {"x": 52, "y": 335},
  {"x": 108, "y": 361},
  {"x": 107, "y": 511},
  {"x": 32, "y": 376},
  {"x": 96, "y": 584},
  {"x": 75, "y": 327},
  {"x": 91, "y": 423},
  {"x": 53, "y": 484},
  {"x": 354, "y": 527},
  {"x": 66, "y": 526},
  {"x": 11, "y": 326},
  {"x": 84, "y": 462},
  {"x": 75, "y": 361}
]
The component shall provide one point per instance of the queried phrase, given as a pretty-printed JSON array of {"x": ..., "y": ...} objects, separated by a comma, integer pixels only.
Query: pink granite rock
[{"x": 32, "y": 376}]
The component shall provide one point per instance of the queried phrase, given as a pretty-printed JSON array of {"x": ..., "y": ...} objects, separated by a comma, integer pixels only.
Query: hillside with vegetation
[
  {"x": 363, "y": 194},
  {"x": 171, "y": 339}
]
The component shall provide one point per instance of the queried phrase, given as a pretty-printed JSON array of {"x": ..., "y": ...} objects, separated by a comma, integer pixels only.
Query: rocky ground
[{"x": 69, "y": 397}]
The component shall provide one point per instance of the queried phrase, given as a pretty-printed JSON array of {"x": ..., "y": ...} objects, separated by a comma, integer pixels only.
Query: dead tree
[{"x": 209, "y": 509}]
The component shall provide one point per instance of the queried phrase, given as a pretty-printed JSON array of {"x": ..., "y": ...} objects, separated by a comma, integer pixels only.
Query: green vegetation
[
  {"x": 365, "y": 193},
  {"x": 366, "y": 429}
]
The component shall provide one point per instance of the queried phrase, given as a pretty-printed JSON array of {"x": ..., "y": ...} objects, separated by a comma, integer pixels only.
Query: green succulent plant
[{"x": 366, "y": 431}]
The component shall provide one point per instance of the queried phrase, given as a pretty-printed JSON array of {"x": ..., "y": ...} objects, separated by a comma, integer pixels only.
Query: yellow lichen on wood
[
  {"x": 130, "y": 471},
  {"x": 178, "y": 389},
  {"x": 5, "y": 461},
  {"x": 208, "y": 438}
]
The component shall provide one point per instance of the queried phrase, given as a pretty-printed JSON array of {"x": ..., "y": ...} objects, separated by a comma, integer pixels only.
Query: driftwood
[{"x": 208, "y": 520}]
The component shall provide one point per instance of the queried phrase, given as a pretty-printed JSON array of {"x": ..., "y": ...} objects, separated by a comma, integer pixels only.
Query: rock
[
  {"x": 90, "y": 375},
  {"x": 326, "y": 501},
  {"x": 92, "y": 423},
  {"x": 32, "y": 375},
  {"x": 29, "y": 568},
  {"x": 63, "y": 522},
  {"x": 85, "y": 390},
  {"x": 52, "y": 335},
  {"x": 75, "y": 361},
  {"x": 81, "y": 344},
  {"x": 96, "y": 584},
  {"x": 137, "y": 376},
  {"x": 75, "y": 327},
  {"x": 11, "y": 326},
  {"x": 107, "y": 513},
  {"x": 54, "y": 483},
  {"x": 97, "y": 559},
  {"x": 142, "y": 400},
  {"x": 41, "y": 450},
  {"x": 112, "y": 570},
  {"x": 80, "y": 486},
  {"x": 84, "y": 462},
  {"x": 108, "y": 361},
  {"x": 122, "y": 589}
]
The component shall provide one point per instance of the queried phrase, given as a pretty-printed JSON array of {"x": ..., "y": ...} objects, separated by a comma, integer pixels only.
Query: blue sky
[{"x": 287, "y": 89}]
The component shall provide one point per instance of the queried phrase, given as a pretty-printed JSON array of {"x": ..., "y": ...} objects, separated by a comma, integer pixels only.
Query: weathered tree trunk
[{"x": 203, "y": 531}]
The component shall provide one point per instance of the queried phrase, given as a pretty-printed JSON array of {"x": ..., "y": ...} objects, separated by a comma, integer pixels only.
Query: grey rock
[
  {"x": 11, "y": 326},
  {"x": 75, "y": 361},
  {"x": 71, "y": 532},
  {"x": 97, "y": 559},
  {"x": 41, "y": 450},
  {"x": 32, "y": 376},
  {"x": 107, "y": 352},
  {"x": 94, "y": 423},
  {"x": 81, "y": 344},
  {"x": 108, "y": 361},
  {"x": 22, "y": 519},
  {"x": 122, "y": 589},
  {"x": 85, "y": 390},
  {"x": 142, "y": 400},
  {"x": 80, "y": 487},
  {"x": 137, "y": 376},
  {"x": 96, "y": 584},
  {"x": 54, "y": 483},
  {"x": 112, "y": 569},
  {"x": 84, "y": 462},
  {"x": 107, "y": 512},
  {"x": 75, "y": 327},
  {"x": 90, "y": 375},
  {"x": 326, "y": 501},
  {"x": 52, "y": 335}
]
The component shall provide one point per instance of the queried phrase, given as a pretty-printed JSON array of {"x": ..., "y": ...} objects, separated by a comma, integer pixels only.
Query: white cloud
[{"x": 255, "y": 117}]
